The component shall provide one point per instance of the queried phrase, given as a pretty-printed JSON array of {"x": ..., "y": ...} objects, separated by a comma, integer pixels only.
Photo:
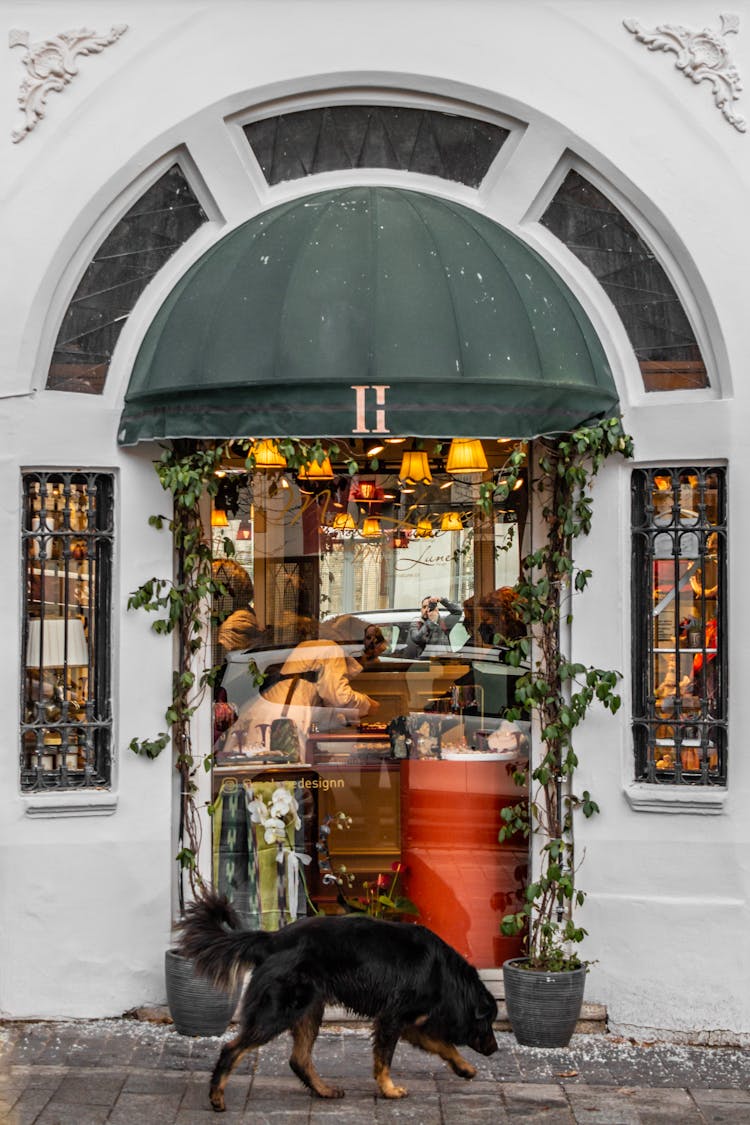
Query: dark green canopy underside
[{"x": 368, "y": 311}]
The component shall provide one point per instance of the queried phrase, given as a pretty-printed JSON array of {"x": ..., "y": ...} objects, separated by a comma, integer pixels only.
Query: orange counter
[{"x": 457, "y": 872}]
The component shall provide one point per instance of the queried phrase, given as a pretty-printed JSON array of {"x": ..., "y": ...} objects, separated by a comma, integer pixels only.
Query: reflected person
[{"x": 430, "y": 628}]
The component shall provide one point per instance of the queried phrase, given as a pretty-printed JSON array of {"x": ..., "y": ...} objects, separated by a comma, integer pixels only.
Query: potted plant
[{"x": 544, "y": 989}]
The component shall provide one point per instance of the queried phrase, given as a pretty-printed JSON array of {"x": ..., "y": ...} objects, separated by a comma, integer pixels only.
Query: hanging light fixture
[
  {"x": 219, "y": 518},
  {"x": 343, "y": 521},
  {"x": 316, "y": 470},
  {"x": 268, "y": 455},
  {"x": 451, "y": 521},
  {"x": 245, "y": 530},
  {"x": 424, "y": 529},
  {"x": 401, "y": 539},
  {"x": 415, "y": 467},
  {"x": 466, "y": 456},
  {"x": 371, "y": 527}
]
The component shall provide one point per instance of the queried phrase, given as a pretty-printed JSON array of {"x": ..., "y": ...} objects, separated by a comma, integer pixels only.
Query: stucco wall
[{"x": 86, "y": 901}]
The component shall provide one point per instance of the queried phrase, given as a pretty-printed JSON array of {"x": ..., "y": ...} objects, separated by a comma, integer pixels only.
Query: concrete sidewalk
[{"x": 126, "y": 1072}]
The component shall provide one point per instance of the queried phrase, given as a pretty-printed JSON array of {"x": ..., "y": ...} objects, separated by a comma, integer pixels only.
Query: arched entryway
[{"x": 400, "y": 334}]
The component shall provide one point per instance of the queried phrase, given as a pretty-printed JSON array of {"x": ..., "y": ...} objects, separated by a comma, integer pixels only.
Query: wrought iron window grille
[
  {"x": 66, "y": 717},
  {"x": 679, "y": 539}
]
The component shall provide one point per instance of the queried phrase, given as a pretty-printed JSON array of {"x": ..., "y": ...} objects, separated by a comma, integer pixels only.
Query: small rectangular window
[
  {"x": 66, "y": 717},
  {"x": 680, "y": 625}
]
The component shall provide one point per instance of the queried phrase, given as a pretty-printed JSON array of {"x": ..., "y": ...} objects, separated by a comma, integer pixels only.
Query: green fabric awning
[{"x": 368, "y": 310}]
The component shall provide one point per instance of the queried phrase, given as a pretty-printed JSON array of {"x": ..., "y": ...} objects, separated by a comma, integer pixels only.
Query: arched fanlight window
[
  {"x": 145, "y": 238},
  {"x": 600, "y": 236},
  {"x": 330, "y": 138}
]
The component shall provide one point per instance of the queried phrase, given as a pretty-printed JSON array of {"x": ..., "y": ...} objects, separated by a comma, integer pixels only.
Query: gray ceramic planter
[
  {"x": 196, "y": 1007},
  {"x": 543, "y": 1008}
]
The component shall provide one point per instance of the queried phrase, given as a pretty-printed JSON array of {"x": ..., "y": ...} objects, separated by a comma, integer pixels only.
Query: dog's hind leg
[
  {"x": 304, "y": 1034},
  {"x": 229, "y": 1056},
  {"x": 446, "y": 1051},
  {"x": 385, "y": 1036}
]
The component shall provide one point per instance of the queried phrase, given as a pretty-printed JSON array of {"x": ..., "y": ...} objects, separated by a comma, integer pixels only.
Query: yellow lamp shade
[
  {"x": 219, "y": 518},
  {"x": 451, "y": 521},
  {"x": 466, "y": 456},
  {"x": 267, "y": 455},
  {"x": 415, "y": 467},
  {"x": 343, "y": 521},
  {"x": 317, "y": 470},
  {"x": 424, "y": 529},
  {"x": 371, "y": 527}
]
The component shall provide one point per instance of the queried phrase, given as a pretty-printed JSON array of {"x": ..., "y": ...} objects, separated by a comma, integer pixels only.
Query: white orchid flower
[{"x": 274, "y": 830}]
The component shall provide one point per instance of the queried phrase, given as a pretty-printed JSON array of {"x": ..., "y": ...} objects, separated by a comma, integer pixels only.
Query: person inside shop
[
  {"x": 239, "y": 632},
  {"x": 430, "y": 628},
  {"x": 312, "y": 688}
]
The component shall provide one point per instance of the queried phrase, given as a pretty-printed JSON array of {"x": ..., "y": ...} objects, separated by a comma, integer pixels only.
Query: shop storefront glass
[{"x": 362, "y": 747}]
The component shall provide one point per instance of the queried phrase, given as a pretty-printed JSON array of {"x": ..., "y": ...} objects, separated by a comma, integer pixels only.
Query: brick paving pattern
[{"x": 125, "y": 1072}]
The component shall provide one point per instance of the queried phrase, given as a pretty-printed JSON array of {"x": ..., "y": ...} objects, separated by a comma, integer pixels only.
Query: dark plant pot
[
  {"x": 196, "y": 1006},
  {"x": 543, "y": 1008}
]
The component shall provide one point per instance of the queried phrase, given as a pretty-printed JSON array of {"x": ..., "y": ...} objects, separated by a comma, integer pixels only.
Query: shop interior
[{"x": 362, "y": 745}]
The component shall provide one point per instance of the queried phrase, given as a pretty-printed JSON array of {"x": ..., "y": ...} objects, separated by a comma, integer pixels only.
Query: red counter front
[{"x": 461, "y": 877}]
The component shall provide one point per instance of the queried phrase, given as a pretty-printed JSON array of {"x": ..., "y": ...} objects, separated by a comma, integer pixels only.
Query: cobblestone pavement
[{"x": 125, "y": 1072}]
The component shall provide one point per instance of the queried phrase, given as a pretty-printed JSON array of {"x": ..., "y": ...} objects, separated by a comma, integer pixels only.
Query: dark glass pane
[
  {"x": 679, "y": 625},
  {"x": 655, "y": 321},
  {"x": 412, "y": 140},
  {"x": 158, "y": 224}
]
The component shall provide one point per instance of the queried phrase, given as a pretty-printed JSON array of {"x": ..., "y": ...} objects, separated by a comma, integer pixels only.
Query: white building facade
[{"x": 573, "y": 100}]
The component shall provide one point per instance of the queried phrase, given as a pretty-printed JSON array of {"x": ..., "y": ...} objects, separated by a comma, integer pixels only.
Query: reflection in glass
[{"x": 370, "y": 680}]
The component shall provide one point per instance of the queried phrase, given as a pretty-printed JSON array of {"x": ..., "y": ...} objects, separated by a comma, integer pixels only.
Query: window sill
[
  {"x": 93, "y": 802},
  {"x": 676, "y": 799}
]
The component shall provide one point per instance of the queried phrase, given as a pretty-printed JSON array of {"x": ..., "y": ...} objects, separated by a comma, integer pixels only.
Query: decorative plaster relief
[
  {"x": 701, "y": 56},
  {"x": 51, "y": 65}
]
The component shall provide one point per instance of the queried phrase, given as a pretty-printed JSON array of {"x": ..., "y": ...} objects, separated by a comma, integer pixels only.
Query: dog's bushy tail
[{"x": 210, "y": 935}]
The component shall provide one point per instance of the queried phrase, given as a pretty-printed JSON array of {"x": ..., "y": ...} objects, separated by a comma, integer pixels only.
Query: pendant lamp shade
[
  {"x": 451, "y": 521},
  {"x": 415, "y": 468},
  {"x": 466, "y": 456},
  {"x": 268, "y": 455},
  {"x": 317, "y": 470},
  {"x": 219, "y": 518},
  {"x": 343, "y": 521},
  {"x": 371, "y": 527},
  {"x": 424, "y": 529}
]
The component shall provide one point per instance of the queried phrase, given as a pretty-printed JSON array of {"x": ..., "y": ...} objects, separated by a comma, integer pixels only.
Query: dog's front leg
[
  {"x": 385, "y": 1035},
  {"x": 446, "y": 1051}
]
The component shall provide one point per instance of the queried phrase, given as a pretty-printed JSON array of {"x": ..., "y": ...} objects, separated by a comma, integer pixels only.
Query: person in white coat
[{"x": 314, "y": 687}]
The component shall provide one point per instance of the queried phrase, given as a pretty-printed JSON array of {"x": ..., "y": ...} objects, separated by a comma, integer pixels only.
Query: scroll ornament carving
[
  {"x": 51, "y": 65},
  {"x": 702, "y": 56}
]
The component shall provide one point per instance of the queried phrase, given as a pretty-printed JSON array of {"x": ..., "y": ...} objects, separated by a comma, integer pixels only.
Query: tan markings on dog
[
  {"x": 385, "y": 1083},
  {"x": 445, "y": 1051},
  {"x": 304, "y": 1034},
  {"x": 230, "y": 1055}
]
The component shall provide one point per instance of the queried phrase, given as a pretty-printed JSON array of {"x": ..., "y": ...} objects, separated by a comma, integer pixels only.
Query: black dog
[{"x": 406, "y": 979}]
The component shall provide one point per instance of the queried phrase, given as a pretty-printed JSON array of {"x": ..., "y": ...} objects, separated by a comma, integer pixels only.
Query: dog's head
[{"x": 481, "y": 1037}]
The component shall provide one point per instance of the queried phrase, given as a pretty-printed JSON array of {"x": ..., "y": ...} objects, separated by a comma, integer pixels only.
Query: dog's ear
[{"x": 486, "y": 1010}]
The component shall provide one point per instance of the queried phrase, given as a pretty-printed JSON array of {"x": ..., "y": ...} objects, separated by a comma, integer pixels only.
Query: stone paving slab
[{"x": 124, "y": 1072}]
